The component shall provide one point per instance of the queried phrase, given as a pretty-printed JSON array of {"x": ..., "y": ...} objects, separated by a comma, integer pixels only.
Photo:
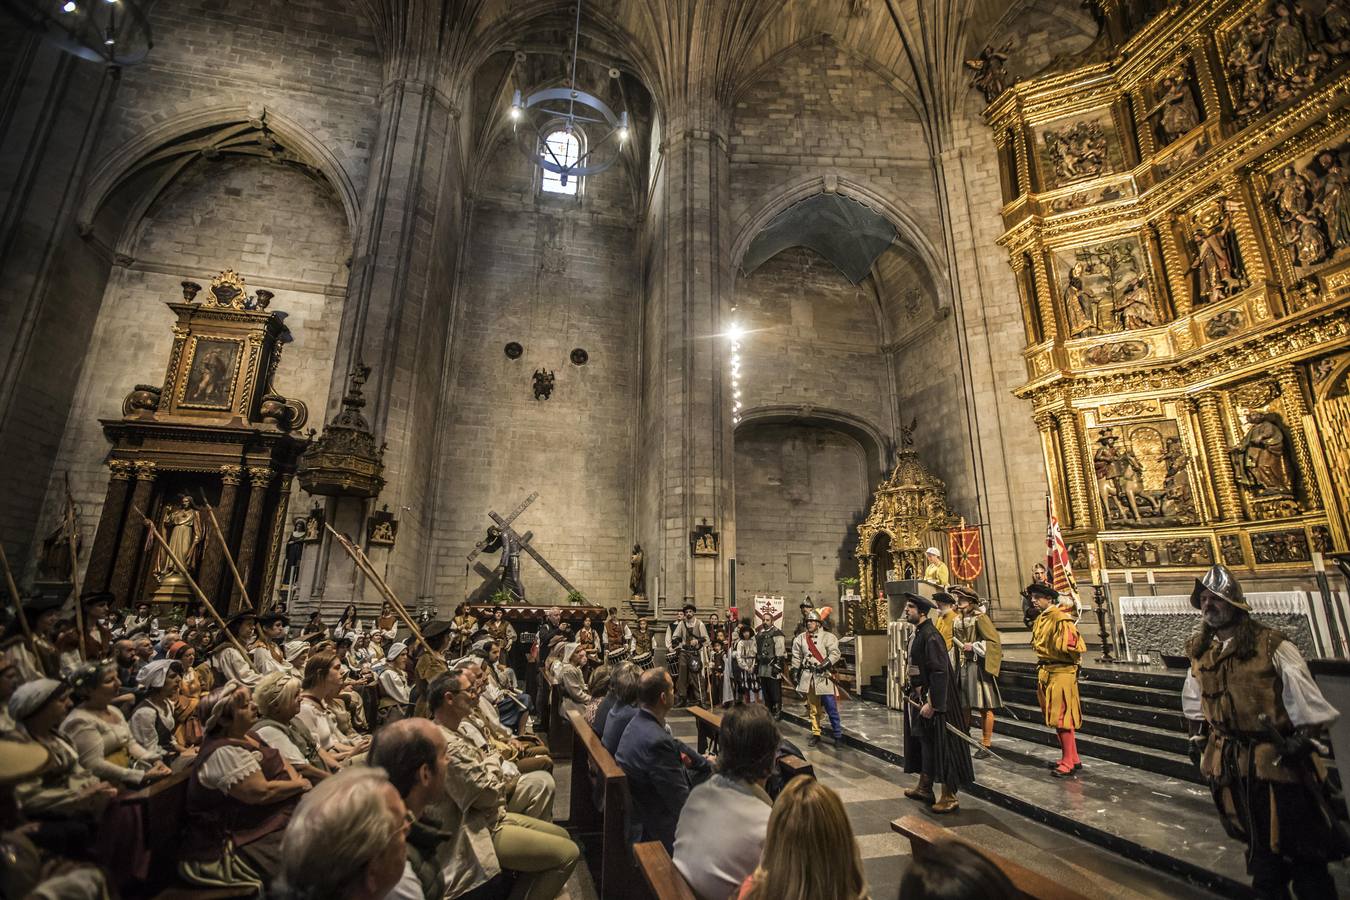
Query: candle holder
[{"x": 1099, "y": 600}]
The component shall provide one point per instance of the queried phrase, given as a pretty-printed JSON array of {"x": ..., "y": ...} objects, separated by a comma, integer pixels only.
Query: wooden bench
[
  {"x": 923, "y": 833},
  {"x": 559, "y": 737},
  {"x": 709, "y": 724},
  {"x": 663, "y": 879},
  {"x": 599, "y": 809}
]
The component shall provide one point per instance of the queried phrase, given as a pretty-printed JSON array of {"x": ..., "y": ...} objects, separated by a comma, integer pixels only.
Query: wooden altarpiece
[{"x": 214, "y": 430}]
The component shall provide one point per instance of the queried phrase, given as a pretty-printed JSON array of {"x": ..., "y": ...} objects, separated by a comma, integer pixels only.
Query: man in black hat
[
  {"x": 686, "y": 640},
  {"x": 1059, "y": 648},
  {"x": 931, "y": 702},
  {"x": 1258, "y": 723},
  {"x": 42, "y": 613},
  {"x": 266, "y": 651},
  {"x": 430, "y": 664},
  {"x": 227, "y": 662}
]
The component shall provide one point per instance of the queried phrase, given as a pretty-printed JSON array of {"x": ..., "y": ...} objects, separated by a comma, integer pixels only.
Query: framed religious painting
[{"x": 212, "y": 367}]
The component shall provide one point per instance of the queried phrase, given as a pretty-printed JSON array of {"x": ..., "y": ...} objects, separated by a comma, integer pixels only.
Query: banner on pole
[
  {"x": 965, "y": 550},
  {"x": 770, "y": 610}
]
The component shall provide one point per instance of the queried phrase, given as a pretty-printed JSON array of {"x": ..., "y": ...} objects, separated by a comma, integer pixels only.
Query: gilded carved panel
[
  {"x": 1142, "y": 474},
  {"x": 1078, "y": 147},
  {"x": 1106, "y": 287}
]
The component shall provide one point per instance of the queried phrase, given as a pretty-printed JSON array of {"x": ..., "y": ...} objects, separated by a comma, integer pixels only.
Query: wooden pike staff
[
  {"x": 182, "y": 570},
  {"x": 75, "y": 568},
  {"x": 363, "y": 563},
  {"x": 18, "y": 603},
  {"x": 225, "y": 549}
]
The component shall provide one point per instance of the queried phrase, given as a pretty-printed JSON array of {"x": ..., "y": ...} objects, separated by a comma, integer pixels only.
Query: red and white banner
[{"x": 1057, "y": 564}]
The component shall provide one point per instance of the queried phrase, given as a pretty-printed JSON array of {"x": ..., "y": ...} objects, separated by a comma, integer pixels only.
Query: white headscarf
[
  {"x": 153, "y": 674},
  {"x": 567, "y": 651},
  {"x": 396, "y": 651}
]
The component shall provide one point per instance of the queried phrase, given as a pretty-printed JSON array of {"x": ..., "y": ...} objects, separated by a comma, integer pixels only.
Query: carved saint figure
[
  {"x": 182, "y": 529},
  {"x": 637, "y": 573},
  {"x": 1134, "y": 307},
  {"x": 1177, "y": 482},
  {"x": 1310, "y": 246},
  {"x": 1120, "y": 478},
  {"x": 1333, "y": 201},
  {"x": 1262, "y": 458},
  {"x": 1177, "y": 105},
  {"x": 1288, "y": 47},
  {"x": 991, "y": 77},
  {"x": 1216, "y": 260},
  {"x": 1078, "y": 304}
]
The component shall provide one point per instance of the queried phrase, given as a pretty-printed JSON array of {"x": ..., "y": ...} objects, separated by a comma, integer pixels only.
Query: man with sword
[
  {"x": 814, "y": 655},
  {"x": 932, "y": 713}
]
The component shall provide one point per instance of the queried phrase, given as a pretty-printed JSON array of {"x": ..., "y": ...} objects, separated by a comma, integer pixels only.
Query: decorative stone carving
[
  {"x": 1311, "y": 202},
  {"x": 1176, "y": 112},
  {"x": 143, "y": 397},
  {"x": 1280, "y": 547},
  {"x": 1216, "y": 260},
  {"x": 1190, "y": 552},
  {"x": 1106, "y": 287},
  {"x": 1143, "y": 475},
  {"x": 1261, "y": 460},
  {"x": 991, "y": 77},
  {"x": 1230, "y": 546},
  {"x": 344, "y": 461},
  {"x": 1222, "y": 325},
  {"x": 1118, "y": 352},
  {"x": 1274, "y": 54}
]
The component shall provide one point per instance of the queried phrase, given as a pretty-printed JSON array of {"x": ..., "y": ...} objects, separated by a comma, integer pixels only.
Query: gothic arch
[
  {"x": 171, "y": 145},
  {"x": 876, "y": 448},
  {"x": 856, "y": 189}
]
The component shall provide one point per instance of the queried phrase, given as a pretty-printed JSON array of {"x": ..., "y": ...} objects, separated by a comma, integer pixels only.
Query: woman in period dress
[
  {"x": 576, "y": 694},
  {"x": 590, "y": 642},
  {"x": 100, "y": 732},
  {"x": 152, "y": 721},
  {"x": 745, "y": 665}
]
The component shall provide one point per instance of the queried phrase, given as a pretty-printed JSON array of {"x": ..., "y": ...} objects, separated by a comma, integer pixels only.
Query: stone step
[
  {"x": 1125, "y": 752},
  {"x": 1127, "y": 675},
  {"x": 1152, "y": 697},
  {"x": 1167, "y": 740}
]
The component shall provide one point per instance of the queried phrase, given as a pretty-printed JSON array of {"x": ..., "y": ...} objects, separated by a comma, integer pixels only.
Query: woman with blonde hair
[{"x": 809, "y": 850}]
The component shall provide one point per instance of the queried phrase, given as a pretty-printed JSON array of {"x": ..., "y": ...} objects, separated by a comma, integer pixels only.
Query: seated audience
[
  {"x": 395, "y": 695},
  {"x": 227, "y": 663},
  {"x": 599, "y": 689},
  {"x": 661, "y": 771},
  {"x": 625, "y": 692},
  {"x": 63, "y": 789},
  {"x": 571, "y": 681},
  {"x": 265, "y": 652},
  {"x": 319, "y": 704},
  {"x": 499, "y": 684},
  {"x": 126, "y": 661},
  {"x": 240, "y": 796},
  {"x": 953, "y": 870},
  {"x": 721, "y": 830},
  {"x": 195, "y": 681},
  {"x": 528, "y": 751},
  {"x": 152, "y": 721},
  {"x": 489, "y": 838},
  {"x": 101, "y": 734},
  {"x": 278, "y": 699},
  {"x": 346, "y": 840},
  {"x": 809, "y": 851},
  {"x": 10, "y": 679},
  {"x": 528, "y": 792},
  {"x": 413, "y": 755},
  {"x": 28, "y": 870}
]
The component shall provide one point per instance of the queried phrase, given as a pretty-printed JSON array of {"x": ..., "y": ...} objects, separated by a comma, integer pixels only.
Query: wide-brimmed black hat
[
  {"x": 273, "y": 617},
  {"x": 223, "y": 636},
  {"x": 436, "y": 629},
  {"x": 39, "y": 604},
  {"x": 925, "y": 604},
  {"x": 1038, "y": 589},
  {"x": 944, "y": 598},
  {"x": 92, "y": 597}
]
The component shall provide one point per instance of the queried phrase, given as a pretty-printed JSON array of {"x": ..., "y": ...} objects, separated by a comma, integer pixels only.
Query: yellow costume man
[
  {"x": 936, "y": 570},
  {"x": 1058, "y": 647},
  {"x": 946, "y": 617}
]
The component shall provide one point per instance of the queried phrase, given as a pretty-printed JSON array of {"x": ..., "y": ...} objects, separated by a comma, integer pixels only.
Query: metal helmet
[
  {"x": 811, "y": 616},
  {"x": 1218, "y": 580}
]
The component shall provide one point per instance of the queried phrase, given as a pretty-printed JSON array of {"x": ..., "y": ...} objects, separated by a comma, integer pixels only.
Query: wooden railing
[
  {"x": 923, "y": 833},
  {"x": 663, "y": 879},
  {"x": 599, "y": 810},
  {"x": 559, "y": 733}
]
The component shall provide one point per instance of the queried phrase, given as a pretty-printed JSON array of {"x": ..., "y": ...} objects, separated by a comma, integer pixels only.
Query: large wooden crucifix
[{"x": 502, "y": 536}]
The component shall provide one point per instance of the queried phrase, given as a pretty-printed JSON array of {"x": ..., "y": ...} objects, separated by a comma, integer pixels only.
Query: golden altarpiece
[
  {"x": 214, "y": 431},
  {"x": 1177, "y": 215},
  {"x": 908, "y": 514}
]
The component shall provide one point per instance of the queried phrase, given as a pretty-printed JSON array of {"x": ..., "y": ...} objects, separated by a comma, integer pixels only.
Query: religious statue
[
  {"x": 1177, "y": 105},
  {"x": 1134, "y": 307},
  {"x": 1275, "y": 54},
  {"x": 506, "y": 541},
  {"x": 703, "y": 540},
  {"x": 1333, "y": 201},
  {"x": 1120, "y": 478},
  {"x": 1078, "y": 304},
  {"x": 381, "y": 528},
  {"x": 1215, "y": 258},
  {"x": 1177, "y": 482},
  {"x": 314, "y": 523},
  {"x": 637, "y": 573},
  {"x": 295, "y": 549},
  {"x": 991, "y": 77},
  {"x": 1261, "y": 460},
  {"x": 543, "y": 384},
  {"x": 907, "y": 433},
  {"x": 182, "y": 530}
]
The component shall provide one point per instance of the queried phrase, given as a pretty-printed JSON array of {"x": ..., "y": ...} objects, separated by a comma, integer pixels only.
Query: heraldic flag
[{"x": 1057, "y": 563}]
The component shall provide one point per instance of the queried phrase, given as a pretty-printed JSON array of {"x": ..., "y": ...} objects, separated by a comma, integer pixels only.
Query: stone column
[
  {"x": 1291, "y": 391},
  {"x": 259, "y": 478},
  {"x": 104, "y": 552},
  {"x": 133, "y": 535},
  {"x": 1081, "y": 503},
  {"x": 1216, "y": 451},
  {"x": 213, "y": 559}
]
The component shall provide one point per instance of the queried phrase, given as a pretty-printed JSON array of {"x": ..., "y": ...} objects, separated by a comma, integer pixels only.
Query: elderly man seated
[{"x": 490, "y": 838}]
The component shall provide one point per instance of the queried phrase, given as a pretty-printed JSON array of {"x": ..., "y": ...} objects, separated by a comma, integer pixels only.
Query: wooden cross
[{"x": 523, "y": 541}]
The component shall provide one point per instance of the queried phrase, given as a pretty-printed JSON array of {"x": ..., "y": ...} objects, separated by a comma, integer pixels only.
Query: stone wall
[
  {"x": 800, "y": 493},
  {"x": 280, "y": 227},
  {"x": 553, "y": 274}
]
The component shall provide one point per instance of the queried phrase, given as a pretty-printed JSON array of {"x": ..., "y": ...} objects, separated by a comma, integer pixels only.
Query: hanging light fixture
[
  {"x": 562, "y": 109},
  {"x": 110, "y": 31}
]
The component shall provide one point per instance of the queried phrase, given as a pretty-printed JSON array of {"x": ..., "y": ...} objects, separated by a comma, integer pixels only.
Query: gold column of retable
[
  {"x": 1216, "y": 449},
  {"x": 1291, "y": 392}
]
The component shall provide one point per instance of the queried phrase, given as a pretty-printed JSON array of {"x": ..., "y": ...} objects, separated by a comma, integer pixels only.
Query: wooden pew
[
  {"x": 923, "y": 833},
  {"x": 596, "y": 777},
  {"x": 663, "y": 879},
  {"x": 559, "y": 732},
  {"x": 709, "y": 724}
]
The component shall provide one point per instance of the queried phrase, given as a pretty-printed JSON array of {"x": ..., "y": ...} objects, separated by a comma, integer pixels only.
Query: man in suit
[{"x": 661, "y": 770}]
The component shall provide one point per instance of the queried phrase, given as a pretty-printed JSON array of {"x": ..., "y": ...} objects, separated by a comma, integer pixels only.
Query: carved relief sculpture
[
  {"x": 1275, "y": 53},
  {"x": 1175, "y": 112},
  {"x": 1262, "y": 459},
  {"x": 1215, "y": 257},
  {"x": 1107, "y": 288},
  {"x": 1143, "y": 476},
  {"x": 1312, "y": 206},
  {"x": 1078, "y": 151}
]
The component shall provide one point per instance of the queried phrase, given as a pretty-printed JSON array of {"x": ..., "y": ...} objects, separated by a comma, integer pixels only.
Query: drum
[
  {"x": 616, "y": 655},
  {"x": 644, "y": 660}
]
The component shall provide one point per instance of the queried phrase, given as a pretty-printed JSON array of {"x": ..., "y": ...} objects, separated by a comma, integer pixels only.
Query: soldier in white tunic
[{"x": 815, "y": 653}]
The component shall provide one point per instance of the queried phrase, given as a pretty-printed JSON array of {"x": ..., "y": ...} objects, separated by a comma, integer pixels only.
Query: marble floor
[{"x": 1169, "y": 817}]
